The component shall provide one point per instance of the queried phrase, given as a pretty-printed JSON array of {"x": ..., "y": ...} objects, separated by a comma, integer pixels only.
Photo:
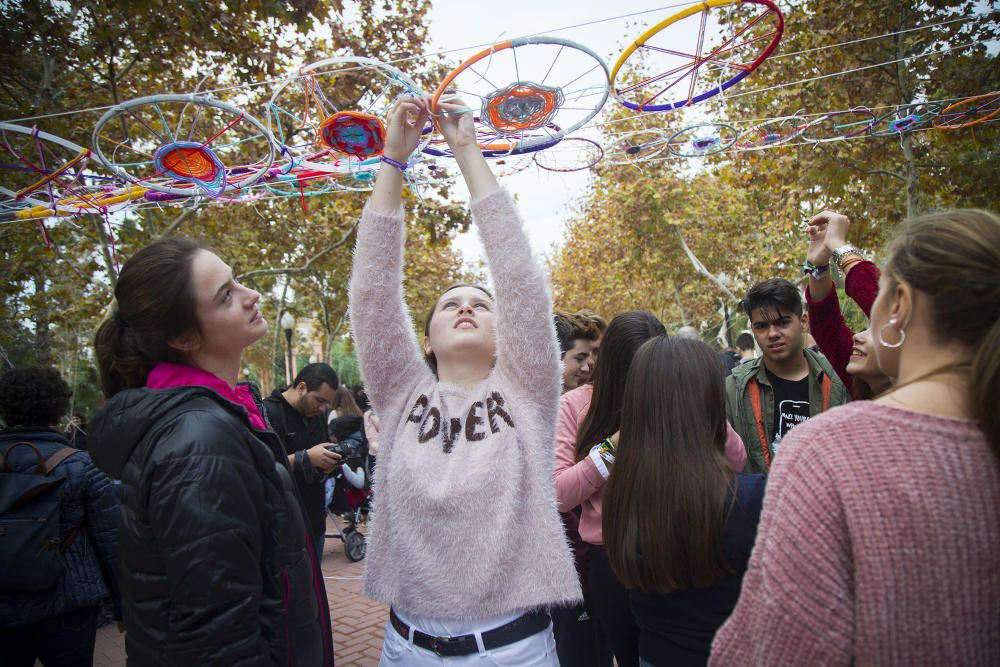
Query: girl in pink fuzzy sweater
[{"x": 466, "y": 436}]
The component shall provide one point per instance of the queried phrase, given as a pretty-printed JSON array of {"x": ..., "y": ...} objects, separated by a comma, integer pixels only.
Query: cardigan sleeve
[
  {"x": 383, "y": 332},
  {"x": 828, "y": 327},
  {"x": 796, "y": 606},
  {"x": 861, "y": 284},
  {"x": 527, "y": 352}
]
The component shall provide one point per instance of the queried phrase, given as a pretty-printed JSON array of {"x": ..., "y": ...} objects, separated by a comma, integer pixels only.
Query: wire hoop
[
  {"x": 969, "y": 112},
  {"x": 905, "y": 119},
  {"x": 570, "y": 154},
  {"x": 702, "y": 140},
  {"x": 681, "y": 72},
  {"x": 771, "y": 133},
  {"x": 635, "y": 146},
  {"x": 145, "y": 142},
  {"x": 839, "y": 125},
  {"x": 530, "y": 102},
  {"x": 331, "y": 114}
]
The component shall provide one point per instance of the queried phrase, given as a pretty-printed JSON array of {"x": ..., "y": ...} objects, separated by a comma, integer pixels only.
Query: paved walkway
[{"x": 357, "y": 621}]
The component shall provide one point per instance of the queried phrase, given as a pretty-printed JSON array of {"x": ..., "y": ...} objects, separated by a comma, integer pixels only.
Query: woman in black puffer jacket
[{"x": 216, "y": 566}]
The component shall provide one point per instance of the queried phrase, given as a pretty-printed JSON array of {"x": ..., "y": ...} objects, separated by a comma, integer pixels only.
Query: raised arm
[
  {"x": 527, "y": 353},
  {"x": 827, "y": 231},
  {"x": 383, "y": 333}
]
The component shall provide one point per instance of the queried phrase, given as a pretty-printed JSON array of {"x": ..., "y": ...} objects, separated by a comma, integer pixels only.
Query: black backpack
[{"x": 30, "y": 545}]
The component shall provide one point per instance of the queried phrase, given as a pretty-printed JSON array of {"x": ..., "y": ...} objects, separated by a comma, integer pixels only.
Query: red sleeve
[
  {"x": 827, "y": 326},
  {"x": 861, "y": 285}
]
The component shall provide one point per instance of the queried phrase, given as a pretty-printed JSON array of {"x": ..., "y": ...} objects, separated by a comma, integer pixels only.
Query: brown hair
[
  {"x": 624, "y": 336},
  {"x": 664, "y": 509},
  {"x": 571, "y": 328},
  {"x": 155, "y": 303},
  {"x": 430, "y": 358},
  {"x": 954, "y": 258},
  {"x": 344, "y": 403},
  {"x": 594, "y": 320}
]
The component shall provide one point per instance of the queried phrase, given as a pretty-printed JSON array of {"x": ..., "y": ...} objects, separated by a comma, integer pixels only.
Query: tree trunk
[{"x": 43, "y": 334}]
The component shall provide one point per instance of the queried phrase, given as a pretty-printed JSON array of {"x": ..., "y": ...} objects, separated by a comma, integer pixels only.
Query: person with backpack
[{"x": 58, "y": 529}]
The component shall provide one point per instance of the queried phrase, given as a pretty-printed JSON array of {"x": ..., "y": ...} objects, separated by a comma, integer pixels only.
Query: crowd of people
[{"x": 552, "y": 488}]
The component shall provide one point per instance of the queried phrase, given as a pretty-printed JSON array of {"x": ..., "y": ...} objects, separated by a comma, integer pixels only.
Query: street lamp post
[{"x": 288, "y": 323}]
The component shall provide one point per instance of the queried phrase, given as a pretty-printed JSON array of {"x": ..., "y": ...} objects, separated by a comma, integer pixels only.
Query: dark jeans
[
  {"x": 576, "y": 640},
  {"x": 61, "y": 641},
  {"x": 611, "y": 609}
]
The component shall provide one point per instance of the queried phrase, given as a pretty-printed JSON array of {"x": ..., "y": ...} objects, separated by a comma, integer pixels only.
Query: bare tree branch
[
  {"x": 297, "y": 270},
  {"x": 700, "y": 268}
]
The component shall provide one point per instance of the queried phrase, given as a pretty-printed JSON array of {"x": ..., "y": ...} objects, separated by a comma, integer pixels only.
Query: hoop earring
[{"x": 881, "y": 338}]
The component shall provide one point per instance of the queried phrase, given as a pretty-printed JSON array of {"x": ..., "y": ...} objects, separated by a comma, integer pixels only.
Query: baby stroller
[{"x": 349, "y": 500}]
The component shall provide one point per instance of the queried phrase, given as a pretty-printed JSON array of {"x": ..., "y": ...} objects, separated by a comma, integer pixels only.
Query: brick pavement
[{"x": 357, "y": 621}]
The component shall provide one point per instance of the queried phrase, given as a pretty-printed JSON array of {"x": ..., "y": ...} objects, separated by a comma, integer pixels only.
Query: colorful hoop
[
  {"x": 681, "y": 65},
  {"x": 555, "y": 83},
  {"x": 839, "y": 125},
  {"x": 905, "y": 119},
  {"x": 167, "y": 159},
  {"x": 969, "y": 112},
  {"x": 771, "y": 133},
  {"x": 337, "y": 118},
  {"x": 702, "y": 140}
]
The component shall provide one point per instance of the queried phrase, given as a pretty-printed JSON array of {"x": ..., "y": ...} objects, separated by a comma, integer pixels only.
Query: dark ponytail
[{"x": 155, "y": 303}]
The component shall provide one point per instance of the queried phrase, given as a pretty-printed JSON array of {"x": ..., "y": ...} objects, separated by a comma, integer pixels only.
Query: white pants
[{"x": 538, "y": 650}]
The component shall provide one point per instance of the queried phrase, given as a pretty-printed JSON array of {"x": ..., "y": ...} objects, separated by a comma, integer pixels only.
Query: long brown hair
[
  {"x": 624, "y": 336},
  {"x": 664, "y": 509},
  {"x": 344, "y": 403},
  {"x": 155, "y": 303},
  {"x": 954, "y": 258}
]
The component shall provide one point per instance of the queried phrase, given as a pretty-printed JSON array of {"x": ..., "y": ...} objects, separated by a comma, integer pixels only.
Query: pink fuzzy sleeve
[
  {"x": 383, "y": 333},
  {"x": 527, "y": 352}
]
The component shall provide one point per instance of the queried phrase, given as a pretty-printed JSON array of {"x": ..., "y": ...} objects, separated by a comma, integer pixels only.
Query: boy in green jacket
[{"x": 787, "y": 385}]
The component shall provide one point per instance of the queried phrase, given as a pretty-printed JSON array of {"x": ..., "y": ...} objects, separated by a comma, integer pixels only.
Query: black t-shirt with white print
[{"x": 791, "y": 405}]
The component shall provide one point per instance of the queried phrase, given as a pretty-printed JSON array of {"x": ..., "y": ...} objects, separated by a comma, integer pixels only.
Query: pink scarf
[{"x": 165, "y": 375}]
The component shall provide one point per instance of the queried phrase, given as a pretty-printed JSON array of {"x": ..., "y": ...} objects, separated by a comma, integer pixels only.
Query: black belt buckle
[{"x": 441, "y": 645}]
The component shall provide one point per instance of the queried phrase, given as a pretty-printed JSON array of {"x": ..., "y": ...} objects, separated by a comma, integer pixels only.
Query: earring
[{"x": 881, "y": 338}]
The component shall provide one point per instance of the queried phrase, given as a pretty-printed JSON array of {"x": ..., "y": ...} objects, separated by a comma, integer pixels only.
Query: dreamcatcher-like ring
[
  {"x": 905, "y": 119},
  {"x": 702, "y": 140},
  {"x": 163, "y": 158},
  {"x": 529, "y": 102},
  {"x": 338, "y": 119},
  {"x": 839, "y": 125},
  {"x": 770, "y": 133}
]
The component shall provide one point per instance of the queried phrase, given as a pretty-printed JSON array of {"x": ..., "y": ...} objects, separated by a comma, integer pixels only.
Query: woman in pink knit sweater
[
  {"x": 466, "y": 441},
  {"x": 879, "y": 541},
  {"x": 587, "y": 416}
]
